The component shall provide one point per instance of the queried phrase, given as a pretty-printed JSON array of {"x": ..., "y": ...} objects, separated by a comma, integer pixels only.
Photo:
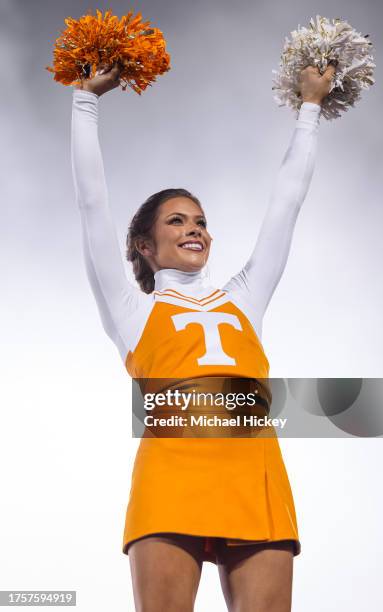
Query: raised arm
[
  {"x": 116, "y": 297},
  {"x": 257, "y": 281}
]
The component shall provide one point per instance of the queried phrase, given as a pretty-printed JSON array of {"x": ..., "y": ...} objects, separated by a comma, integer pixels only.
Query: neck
[{"x": 169, "y": 277}]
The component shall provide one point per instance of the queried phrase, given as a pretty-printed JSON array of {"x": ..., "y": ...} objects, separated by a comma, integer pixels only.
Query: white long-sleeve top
[{"x": 124, "y": 309}]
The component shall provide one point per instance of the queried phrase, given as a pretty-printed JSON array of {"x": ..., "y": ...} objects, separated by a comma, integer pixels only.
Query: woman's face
[{"x": 180, "y": 238}]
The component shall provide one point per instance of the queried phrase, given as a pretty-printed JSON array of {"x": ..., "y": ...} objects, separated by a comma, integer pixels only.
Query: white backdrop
[{"x": 209, "y": 125}]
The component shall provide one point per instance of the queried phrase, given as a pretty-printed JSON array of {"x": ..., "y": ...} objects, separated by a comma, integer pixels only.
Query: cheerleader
[{"x": 223, "y": 500}]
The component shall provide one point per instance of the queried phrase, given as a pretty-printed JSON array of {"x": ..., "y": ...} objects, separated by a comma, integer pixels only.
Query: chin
[{"x": 191, "y": 266}]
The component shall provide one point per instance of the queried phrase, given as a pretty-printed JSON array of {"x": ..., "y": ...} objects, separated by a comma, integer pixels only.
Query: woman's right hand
[{"x": 108, "y": 78}]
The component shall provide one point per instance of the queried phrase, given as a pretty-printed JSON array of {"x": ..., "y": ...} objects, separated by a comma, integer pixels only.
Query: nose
[{"x": 194, "y": 231}]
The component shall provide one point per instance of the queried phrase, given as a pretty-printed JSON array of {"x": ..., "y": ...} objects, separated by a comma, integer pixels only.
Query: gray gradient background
[{"x": 212, "y": 126}]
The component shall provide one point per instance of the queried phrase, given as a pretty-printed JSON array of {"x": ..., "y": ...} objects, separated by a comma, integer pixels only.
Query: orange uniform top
[{"x": 185, "y": 336}]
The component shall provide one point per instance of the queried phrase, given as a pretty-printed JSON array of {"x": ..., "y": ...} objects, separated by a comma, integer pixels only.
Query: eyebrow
[{"x": 183, "y": 215}]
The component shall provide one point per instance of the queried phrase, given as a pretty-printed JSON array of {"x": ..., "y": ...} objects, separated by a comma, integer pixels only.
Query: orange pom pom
[{"x": 96, "y": 39}]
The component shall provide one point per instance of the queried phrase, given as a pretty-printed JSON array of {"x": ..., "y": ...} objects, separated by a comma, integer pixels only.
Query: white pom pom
[{"x": 322, "y": 42}]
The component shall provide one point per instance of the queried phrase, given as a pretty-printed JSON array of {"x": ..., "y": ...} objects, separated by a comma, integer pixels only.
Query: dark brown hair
[{"x": 141, "y": 226}]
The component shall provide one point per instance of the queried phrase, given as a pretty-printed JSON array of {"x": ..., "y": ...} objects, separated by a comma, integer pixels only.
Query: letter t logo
[{"x": 209, "y": 322}]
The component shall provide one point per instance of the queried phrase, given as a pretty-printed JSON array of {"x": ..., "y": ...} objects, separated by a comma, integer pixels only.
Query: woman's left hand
[{"x": 314, "y": 87}]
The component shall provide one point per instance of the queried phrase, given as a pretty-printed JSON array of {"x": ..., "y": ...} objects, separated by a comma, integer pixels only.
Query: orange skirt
[{"x": 232, "y": 488}]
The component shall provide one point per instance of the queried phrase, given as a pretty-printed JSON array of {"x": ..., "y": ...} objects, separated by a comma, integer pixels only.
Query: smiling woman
[
  {"x": 178, "y": 236},
  {"x": 158, "y": 227},
  {"x": 224, "y": 500}
]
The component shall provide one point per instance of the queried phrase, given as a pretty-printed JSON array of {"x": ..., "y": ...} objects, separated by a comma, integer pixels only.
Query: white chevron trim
[{"x": 184, "y": 303}]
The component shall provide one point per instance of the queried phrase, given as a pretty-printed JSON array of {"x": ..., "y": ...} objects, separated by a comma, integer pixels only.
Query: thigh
[
  {"x": 257, "y": 577},
  {"x": 166, "y": 571}
]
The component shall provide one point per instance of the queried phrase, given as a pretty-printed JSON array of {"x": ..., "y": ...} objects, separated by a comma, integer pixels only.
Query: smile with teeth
[{"x": 194, "y": 246}]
